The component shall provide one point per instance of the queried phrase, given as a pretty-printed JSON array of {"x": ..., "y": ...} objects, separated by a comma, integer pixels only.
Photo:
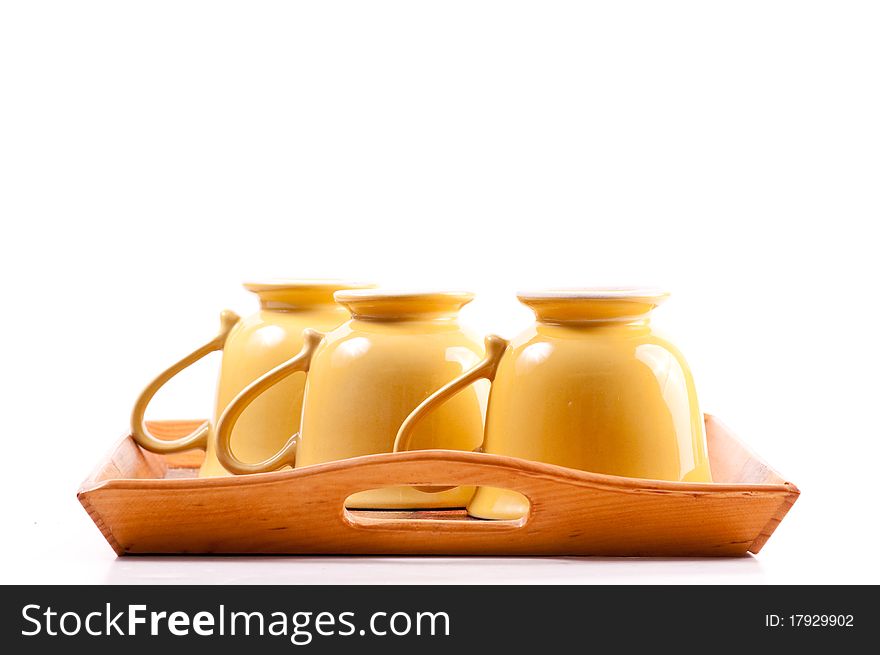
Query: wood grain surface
[{"x": 147, "y": 503}]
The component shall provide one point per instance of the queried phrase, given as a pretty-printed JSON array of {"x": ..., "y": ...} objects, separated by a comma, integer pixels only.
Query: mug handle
[
  {"x": 495, "y": 348},
  {"x": 287, "y": 455},
  {"x": 199, "y": 437}
]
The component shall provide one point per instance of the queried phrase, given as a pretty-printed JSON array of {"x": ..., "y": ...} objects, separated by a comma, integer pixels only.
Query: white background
[{"x": 153, "y": 155}]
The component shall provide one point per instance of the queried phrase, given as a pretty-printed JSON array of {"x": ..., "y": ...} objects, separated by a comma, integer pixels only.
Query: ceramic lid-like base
[{"x": 597, "y": 305}]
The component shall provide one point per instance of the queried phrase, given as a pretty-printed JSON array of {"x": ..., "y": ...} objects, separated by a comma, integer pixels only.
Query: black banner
[{"x": 435, "y": 619}]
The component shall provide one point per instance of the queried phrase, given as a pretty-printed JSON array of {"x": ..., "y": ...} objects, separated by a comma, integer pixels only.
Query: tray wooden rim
[
  {"x": 421, "y": 467},
  {"x": 439, "y": 456}
]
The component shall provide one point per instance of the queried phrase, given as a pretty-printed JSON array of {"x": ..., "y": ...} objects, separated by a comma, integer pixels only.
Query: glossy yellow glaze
[
  {"x": 252, "y": 347},
  {"x": 365, "y": 377},
  {"x": 591, "y": 386}
]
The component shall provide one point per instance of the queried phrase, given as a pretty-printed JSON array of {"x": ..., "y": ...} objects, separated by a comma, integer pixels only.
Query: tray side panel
[
  {"x": 127, "y": 461},
  {"x": 301, "y": 511},
  {"x": 732, "y": 461},
  {"x": 774, "y": 521},
  {"x": 300, "y": 514}
]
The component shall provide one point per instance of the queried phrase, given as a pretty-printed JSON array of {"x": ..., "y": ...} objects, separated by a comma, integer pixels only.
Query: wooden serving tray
[{"x": 147, "y": 503}]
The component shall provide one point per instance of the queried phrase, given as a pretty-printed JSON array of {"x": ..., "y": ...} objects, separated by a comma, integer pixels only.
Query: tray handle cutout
[
  {"x": 440, "y": 521},
  {"x": 416, "y": 470}
]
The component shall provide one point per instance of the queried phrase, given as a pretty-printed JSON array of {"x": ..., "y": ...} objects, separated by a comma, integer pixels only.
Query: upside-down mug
[
  {"x": 589, "y": 386},
  {"x": 252, "y": 346},
  {"x": 363, "y": 379}
]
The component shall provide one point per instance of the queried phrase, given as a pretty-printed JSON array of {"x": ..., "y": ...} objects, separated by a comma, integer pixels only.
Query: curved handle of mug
[
  {"x": 495, "y": 347},
  {"x": 287, "y": 455},
  {"x": 199, "y": 437}
]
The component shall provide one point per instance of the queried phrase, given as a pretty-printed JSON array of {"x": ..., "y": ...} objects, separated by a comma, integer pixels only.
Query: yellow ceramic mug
[
  {"x": 364, "y": 378},
  {"x": 252, "y": 346},
  {"x": 588, "y": 386}
]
